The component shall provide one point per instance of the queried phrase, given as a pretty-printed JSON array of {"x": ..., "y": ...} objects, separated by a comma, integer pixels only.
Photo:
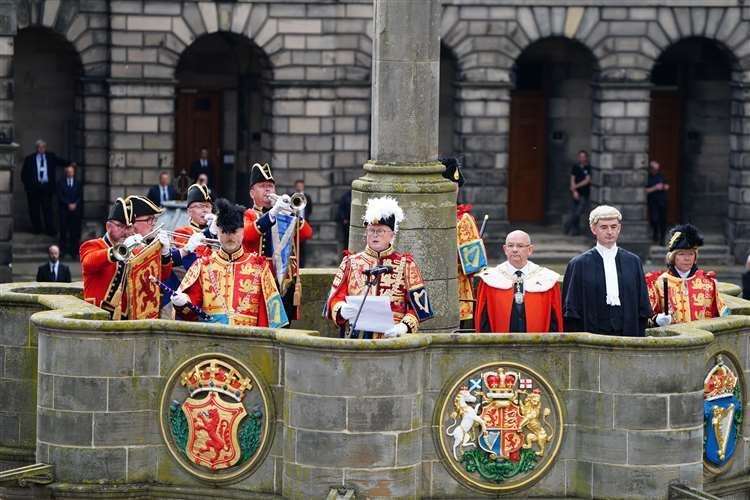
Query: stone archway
[
  {"x": 550, "y": 121},
  {"x": 47, "y": 104},
  {"x": 690, "y": 129},
  {"x": 223, "y": 103}
]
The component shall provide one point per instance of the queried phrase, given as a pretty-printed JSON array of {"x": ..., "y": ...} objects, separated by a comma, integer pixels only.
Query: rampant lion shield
[
  {"x": 499, "y": 427},
  {"x": 215, "y": 417}
]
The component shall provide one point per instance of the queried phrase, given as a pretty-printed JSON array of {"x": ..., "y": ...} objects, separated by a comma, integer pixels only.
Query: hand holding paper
[{"x": 376, "y": 314}]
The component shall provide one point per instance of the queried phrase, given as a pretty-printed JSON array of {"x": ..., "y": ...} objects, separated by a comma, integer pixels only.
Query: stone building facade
[{"x": 129, "y": 88}]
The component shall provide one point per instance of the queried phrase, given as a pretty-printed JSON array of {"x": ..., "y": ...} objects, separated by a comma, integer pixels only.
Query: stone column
[
  {"x": 7, "y": 147},
  {"x": 738, "y": 221},
  {"x": 404, "y": 148},
  {"x": 620, "y": 146}
]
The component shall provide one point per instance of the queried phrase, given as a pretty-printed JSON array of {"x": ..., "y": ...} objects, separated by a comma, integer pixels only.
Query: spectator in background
[
  {"x": 163, "y": 191},
  {"x": 580, "y": 192},
  {"x": 38, "y": 177},
  {"x": 656, "y": 197},
  {"x": 202, "y": 166},
  {"x": 305, "y": 213},
  {"x": 54, "y": 270},
  {"x": 342, "y": 215},
  {"x": 69, "y": 197},
  {"x": 202, "y": 180}
]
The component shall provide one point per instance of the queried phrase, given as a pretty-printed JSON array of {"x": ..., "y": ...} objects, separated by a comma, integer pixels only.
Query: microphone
[{"x": 378, "y": 270}]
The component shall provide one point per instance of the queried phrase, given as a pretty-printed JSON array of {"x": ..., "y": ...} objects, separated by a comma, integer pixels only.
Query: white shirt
[
  {"x": 204, "y": 163},
  {"x": 70, "y": 182},
  {"x": 682, "y": 275},
  {"x": 610, "y": 273},
  {"x": 53, "y": 268},
  {"x": 41, "y": 168},
  {"x": 164, "y": 193},
  {"x": 511, "y": 269}
]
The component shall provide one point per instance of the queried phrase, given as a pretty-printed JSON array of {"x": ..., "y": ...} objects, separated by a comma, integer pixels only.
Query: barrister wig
[
  {"x": 383, "y": 210},
  {"x": 604, "y": 212},
  {"x": 683, "y": 237},
  {"x": 230, "y": 217},
  {"x": 452, "y": 170}
]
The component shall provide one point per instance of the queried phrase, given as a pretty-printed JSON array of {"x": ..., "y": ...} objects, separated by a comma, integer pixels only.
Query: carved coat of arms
[
  {"x": 215, "y": 417},
  {"x": 722, "y": 414},
  {"x": 500, "y": 427}
]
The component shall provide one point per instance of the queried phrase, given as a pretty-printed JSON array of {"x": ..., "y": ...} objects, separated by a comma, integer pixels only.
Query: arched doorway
[
  {"x": 690, "y": 128},
  {"x": 47, "y": 104},
  {"x": 448, "y": 77},
  {"x": 223, "y": 104},
  {"x": 550, "y": 121}
]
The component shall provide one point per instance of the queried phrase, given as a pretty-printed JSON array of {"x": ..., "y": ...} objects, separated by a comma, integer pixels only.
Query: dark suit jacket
[
  {"x": 29, "y": 174},
  {"x": 154, "y": 194},
  {"x": 44, "y": 273},
  {"x": 67, "y": 195},
  {"x": 196, "y": 169}
]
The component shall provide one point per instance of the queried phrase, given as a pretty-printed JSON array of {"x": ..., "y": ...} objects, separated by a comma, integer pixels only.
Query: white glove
[
  {"x": 663, "y": 319},
  {"x": 133, "y": 240},
  {"x": 396, "y": 331},
  {"x": 179, "y": 299},
  {"x": 283, "y": 205},
  {"x": 211, "y": 223},
  {"x": 348, "y": 311},
  {"x": 196, "y": 240},
  {"x": 163, "y": 238}
]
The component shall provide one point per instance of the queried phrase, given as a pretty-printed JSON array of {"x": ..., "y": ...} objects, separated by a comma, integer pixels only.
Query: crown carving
[
  {"x": 500, "y": 384},
  {"x": 215, "y": 375},
  {"x": 720, "y": 381}
]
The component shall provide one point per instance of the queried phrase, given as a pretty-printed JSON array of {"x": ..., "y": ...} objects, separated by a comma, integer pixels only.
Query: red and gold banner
[{"x": 143, "y": 295}]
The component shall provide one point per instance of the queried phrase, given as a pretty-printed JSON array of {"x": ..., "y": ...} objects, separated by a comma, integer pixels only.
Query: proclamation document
[{"x": 376, "y": 314}]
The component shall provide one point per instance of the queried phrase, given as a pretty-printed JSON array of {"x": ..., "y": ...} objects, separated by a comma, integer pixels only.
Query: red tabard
[{"x": 540, "y": 306}]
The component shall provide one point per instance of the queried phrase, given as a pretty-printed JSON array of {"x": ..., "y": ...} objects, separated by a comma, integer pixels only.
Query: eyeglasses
[
  {"x": 149, "y": 220},
  {"x": 516, "y": 245},
  {"x": 377, "y": 232}
]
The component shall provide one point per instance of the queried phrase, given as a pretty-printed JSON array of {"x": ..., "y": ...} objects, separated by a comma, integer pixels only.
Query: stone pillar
[
  {"x": 738, "y": 220},
  {"x": 404, "y": 148},
  {"x": 620, "y": 160},
  {"x": 7, "y": 147}
]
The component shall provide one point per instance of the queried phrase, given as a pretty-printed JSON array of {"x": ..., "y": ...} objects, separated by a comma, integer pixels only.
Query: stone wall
[
  {"x": 360, "y": 414},
  {"x": 318, "y": 102}
]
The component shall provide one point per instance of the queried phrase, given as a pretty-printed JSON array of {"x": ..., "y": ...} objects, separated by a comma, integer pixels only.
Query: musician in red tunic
[
  {"x": 518, "y": 295},
  {"x": 189, "y": 239},
  {"x": 103, "y": 275},
  {"x": 693, "y": 294},
  {"x": 401, "y": 281},
  {"x": 233, "y": 286}
]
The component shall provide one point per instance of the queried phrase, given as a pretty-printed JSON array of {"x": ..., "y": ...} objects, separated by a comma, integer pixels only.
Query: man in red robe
[{"x": 518, "y": 295}]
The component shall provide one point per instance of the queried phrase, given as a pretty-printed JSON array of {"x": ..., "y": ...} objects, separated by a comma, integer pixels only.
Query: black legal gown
[{"x": 585, "y": 306}]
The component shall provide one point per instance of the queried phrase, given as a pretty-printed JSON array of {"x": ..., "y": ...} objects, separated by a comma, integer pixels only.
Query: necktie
[
  {"x": 70, "y": 183},
  {"x": 518, "y": 288},
  {"x": 54, "y": 272},
  {"x": 42, "y": 169},
  {"x": 203, "y": 163},
  {"x": 163, "y": 194}
]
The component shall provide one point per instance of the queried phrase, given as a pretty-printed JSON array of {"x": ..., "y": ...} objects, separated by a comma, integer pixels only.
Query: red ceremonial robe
[{"x": 541, "y": 299}]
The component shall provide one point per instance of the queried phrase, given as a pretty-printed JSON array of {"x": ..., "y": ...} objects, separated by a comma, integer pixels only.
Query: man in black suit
[
  {"x": 54, "y": 270},
  {"x": 163, "y": 191},
  {"x": 69, "y": 197},
  {"x": 202, "y": 166},
  {"x": 38, "y": 177}
]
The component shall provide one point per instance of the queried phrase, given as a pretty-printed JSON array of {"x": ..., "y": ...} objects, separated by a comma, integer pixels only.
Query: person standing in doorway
[
  {"x": 69, "y": 198},
  {"x": 202, "y": 166},
  {"x": 656, "y": 197},
  {"x": 580, "y": 192},
  {"x": 54, "y": 270},
  {"x": 38, "y": 177}
]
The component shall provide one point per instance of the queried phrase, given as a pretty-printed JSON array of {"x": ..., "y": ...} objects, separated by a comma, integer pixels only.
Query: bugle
[
  {"x": 296, "y": 200},
  {"x": 122, "y": 252}
]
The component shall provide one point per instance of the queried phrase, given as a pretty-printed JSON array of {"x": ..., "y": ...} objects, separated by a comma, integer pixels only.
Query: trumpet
[
  {"x": 296, "y": 200},
  {"x": 122, "y": 252},
  {"x": 209, "y": 242}
]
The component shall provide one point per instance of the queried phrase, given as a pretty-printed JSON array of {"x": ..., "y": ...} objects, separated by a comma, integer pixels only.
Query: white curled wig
[
  {"x": 604, "y": 212},
  {"x": 383, "y": 210}
]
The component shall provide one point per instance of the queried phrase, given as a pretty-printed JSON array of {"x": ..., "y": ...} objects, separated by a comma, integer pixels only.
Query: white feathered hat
[{"x": 383, "y": 210}]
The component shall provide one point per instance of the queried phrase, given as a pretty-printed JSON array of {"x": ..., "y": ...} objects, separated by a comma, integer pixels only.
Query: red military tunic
[
  {"x": 542, "y": 300},
  {"x": 235, "y": 289},
  {"x": 694, "y": 298},
  {"x": 99, "y": 269},
  {"x": 409, "y": 301}
]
